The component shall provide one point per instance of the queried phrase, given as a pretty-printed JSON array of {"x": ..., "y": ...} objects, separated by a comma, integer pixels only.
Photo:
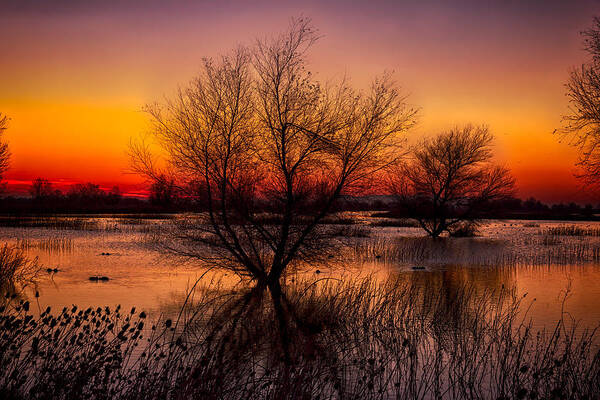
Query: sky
[{"x": 74, "y": 75}]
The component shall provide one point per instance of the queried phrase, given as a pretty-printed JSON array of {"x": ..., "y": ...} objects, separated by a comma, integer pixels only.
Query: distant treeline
[
  {"x": 90, "y": 198},
  {"x": 164, "y": 197},
  {"x": 514, "y": 208}
]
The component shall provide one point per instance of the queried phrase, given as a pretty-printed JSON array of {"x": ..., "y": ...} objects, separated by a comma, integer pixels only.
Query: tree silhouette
[
  {"x": 114, "y": 196},
  {"x": 41, "y": 189},
  {"x": 449, "y": 178},
  {"x": 273, "y": 150},
  {"x": 582, "y": 124},
  {"x": 163, "y": 191},
  {"x": 4, "y": 150},
  {"x": 85, "y": 195}
]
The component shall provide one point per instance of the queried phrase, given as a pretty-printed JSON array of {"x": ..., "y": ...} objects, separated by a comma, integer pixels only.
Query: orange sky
[{"x": 73, "y": 77}]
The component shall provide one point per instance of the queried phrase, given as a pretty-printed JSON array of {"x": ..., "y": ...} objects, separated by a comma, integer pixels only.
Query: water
[
  {"x": 373, "y": 338},
  {"x": 141, "y": 277}
]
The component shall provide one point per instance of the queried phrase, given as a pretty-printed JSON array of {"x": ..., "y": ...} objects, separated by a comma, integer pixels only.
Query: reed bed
[
  {"x": 51, "y": 245},
  {"x": 400, "y": 223},
  {"x": 551, "y": 240},
  {"x": 92, "y": 224},
  {"x": 133, "y": 221},
  {"x": 326, "y": 340},
  {"x": 480, "y": 251},
  {"x": 531, "y": 225},
  {"x": 353, "y": 231},
  {"x": 272, "y": 219},
  {"x": 59, "y": 223},
  {"x": 571, "y": 230}
]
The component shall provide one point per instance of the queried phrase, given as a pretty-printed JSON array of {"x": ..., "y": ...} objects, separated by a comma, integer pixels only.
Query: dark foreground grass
[{"x": 329, "y": 339}]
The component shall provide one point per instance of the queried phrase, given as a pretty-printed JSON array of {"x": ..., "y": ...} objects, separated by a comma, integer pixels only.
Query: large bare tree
[
  {"x": 449, "y": 178},
  {"x": 268, "y": 150},
  {"x": 582, "y": 124}
]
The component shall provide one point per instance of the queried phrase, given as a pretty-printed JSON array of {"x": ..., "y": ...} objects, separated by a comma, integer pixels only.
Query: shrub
[{"x": 464, "y": 229}]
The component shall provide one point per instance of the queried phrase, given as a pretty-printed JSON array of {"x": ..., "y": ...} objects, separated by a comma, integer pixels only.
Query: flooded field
[
  {"x": 508, "y": 313},
  {"x": 556, "y": 265}
]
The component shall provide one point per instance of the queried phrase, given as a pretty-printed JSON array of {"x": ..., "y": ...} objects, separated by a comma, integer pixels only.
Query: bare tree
[
  {"x": 449, "y": 178},
  {"x": 4, "y": 150},
  {"x": 273, "y": 150},
  {"x": 163, "y": 191},
  {"x": 114, "y": 196},
  {"x": 41, "y": 189},
  {"x": 582, "y": 124}
]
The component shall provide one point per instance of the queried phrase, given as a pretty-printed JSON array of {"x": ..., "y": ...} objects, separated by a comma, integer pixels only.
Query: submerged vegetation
[{"x": 332, "y": 340}]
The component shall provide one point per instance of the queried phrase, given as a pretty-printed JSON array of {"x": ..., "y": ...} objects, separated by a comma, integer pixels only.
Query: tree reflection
[{"x": 349, "y": 337}]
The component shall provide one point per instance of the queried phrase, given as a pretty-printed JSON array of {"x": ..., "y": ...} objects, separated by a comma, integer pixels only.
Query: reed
[
  {"x": 353, "y": 231},
  {"x": 571, "y": 230},
  {"x": 60, "y": 223},
  {"x": 400, "y": 223},
  {"x": 51, "y": 245},
  {"x": 541, "y": 250},
  {"x": 531, "y": 225}
]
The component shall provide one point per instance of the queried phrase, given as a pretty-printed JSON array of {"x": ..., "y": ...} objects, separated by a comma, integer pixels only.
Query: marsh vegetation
[{"x": 360, "y": 339}]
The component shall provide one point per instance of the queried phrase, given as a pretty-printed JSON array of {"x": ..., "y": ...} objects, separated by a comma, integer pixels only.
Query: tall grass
[
  {"x": 571, "y": 230},
  {"x": 531, "y": 225},
  {"x": 391, "y": 222},
  {"x": 60, "y": 223},
  {"x": 16, "y": 270},
  {"x": 79, "y": 223},
  {"x": 353, "y": 231},
  {"x": 481, "y": 251},
  {"x": 60, "y": 245},
  {"x": 327, "y": 340}
]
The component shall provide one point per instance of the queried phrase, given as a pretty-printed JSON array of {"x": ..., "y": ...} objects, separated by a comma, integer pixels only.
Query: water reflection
[
  {"x": 438, "y": 333},
  {"x": 403, "y": 338},
  {"x": 141, "y": 277}
]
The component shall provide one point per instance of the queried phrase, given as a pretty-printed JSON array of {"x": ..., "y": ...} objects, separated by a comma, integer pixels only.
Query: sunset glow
[
  {"x": 75, "y": 77},
  {"x": 320, "y": 199}
]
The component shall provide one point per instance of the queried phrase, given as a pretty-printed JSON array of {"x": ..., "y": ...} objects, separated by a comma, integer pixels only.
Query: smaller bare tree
[
  {"x": 4, "y": 150},
  {"x": 449, "y": 178},
  {"x": 41, "y": 189},
  {"x": 163, "y": 191},
  {"x": 582, "y": 125}
]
